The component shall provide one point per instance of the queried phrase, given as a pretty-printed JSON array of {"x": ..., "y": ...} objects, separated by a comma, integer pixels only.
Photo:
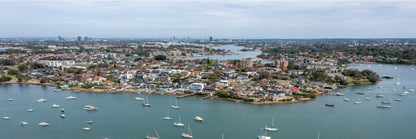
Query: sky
[{"x": 257, "y": 19}]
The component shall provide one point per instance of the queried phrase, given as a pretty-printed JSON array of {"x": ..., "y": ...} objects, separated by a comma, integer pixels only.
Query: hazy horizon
[{"x": 201, "y": 19}]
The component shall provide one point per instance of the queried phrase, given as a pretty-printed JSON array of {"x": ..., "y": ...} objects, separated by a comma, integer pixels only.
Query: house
[
  {"x": 164, "y": 78},
  {"x": 299, "y": 80},
  {"x": 242, "y": 78},
  {"x": 223, "y": 83},
  {"x": 197, "y": 86},
  {"x": 209, "y": 89}
]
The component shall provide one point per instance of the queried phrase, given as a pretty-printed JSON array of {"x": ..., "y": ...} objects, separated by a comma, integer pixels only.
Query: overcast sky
[{"x": 201, "y": 19}]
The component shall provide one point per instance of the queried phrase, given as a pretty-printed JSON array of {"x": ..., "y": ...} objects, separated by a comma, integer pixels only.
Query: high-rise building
[
  {"x": 59, "y": 38},
  {"x": 247, "y": 62},
  {"x": 281, "y": 64},
  {"x": 210, "y": 38},
  {"x": 79, "y": 38},
  {"x": 86, "y": 38}
]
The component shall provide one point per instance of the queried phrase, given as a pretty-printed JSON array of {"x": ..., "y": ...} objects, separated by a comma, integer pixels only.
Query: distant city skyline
[{"x": 202, "y": 19}]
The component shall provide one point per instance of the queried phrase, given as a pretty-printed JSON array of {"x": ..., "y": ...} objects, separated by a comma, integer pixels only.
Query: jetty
[{"x": 185, "y": 95}]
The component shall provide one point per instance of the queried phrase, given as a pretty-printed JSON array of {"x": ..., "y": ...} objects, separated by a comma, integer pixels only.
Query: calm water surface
[{"x": 120, "y": 116}]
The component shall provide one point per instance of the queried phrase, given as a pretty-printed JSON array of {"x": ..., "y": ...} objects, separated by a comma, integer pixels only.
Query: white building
[{"x": 197, "y": 86}]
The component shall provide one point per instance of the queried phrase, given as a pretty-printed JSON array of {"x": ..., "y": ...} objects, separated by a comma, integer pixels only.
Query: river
[
  {"x": 233, "y": 48},
  {"x": 120, "y": 116}
]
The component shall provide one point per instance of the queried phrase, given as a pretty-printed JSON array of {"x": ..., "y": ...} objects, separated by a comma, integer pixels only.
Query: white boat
[
  {"x": 189, "y": 134},
  {"x": 70, "y": 97},
  {"x": 153, "y": 137},
  {"x": 176, "y": 105},
  {"x": 88, "y": 122},
  {"x": 90, "y": 108},
  {"x": 43, "y": 124},
  {"x": 367, "y": 98},
  {"x": 397, "y": 99},
  {"x": 346, "y": 99},
  {"x": 62, "y": 110},
  {"x": 357, "y": 102},
  {"x": 397, "y": 83},
  {"x": 62, "y": 115},
  {"x": 179, "y": 123},
  {"x": 379, "y": 95},
  {"x": 54, "y": 106},
  {"x": 272, "y": 128},
  {"x": 383, "y": 106},
  {"x": 139, "y": 98},
  {"x": 167, "y": 117},
  {"x": 339, "y": 94},
  {"x": 411, "y": 90},
  {"x": 403, "y": 94},
  {"x": 6, "y": 118},
  {"x": 42, "y": 100},
  {"x": 394, "y": 90},
  {"x": 380, "y": 86},
  {"x": 385, "y": 102},
  {"x": 368, "y": 88},
  {"x": 10, "y": 99},
  {"x": 30, "y": 110},
  {"x": 197, "y": 118},
  {"x": 23, "y": 123},
  {"x": 86, "y": 128},
  {"x": 395, "y": 67},
  {"x": 264, "y": 136},
  {"x": 146, "y": 103}
]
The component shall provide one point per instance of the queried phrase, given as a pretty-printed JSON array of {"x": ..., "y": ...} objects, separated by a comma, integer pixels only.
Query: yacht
[
  {"x": 139, "y": 98},
  {"x": 23, "y": 123},
  {"x": 339, "y": 94},
  {"x": 167, "y": 117},
  {"x": 346, "y": 99},
  {"x": 397, "y": 99},
  {"x": 43, "y": 124},
  {"x": 62, "y": 110},
  {"x": 357, "y": 102},
  {"x": 176, "y": 105},
  {"x": 379, "y": 95},
  {"x": 62, "y": 115},
  {"x": 367, "y": 98},
  {"x": 380, "y": 86},
  {"x": 90, "y": 108},
  {"x": 146, "y": 102},
  {"x": 329, "y": 105},
  {"x": 394, "y": 90},
  {"x": 71, "y": 97},
  {"x": 403, "y": 94},
  {"x": 30, "y": 109},
  {"x": 88, "y": 122},
  {"x": 397, "y": 83},
  {"x": 10, "y": 99},
  {"x": 179, "y": 123},
  {"x": 54, "y": 106},
  {"x": 153, "y": 137},
  {"x": 272, "y": 128},
  {"x": 6, "y": 118},
  {"x": 86, "y": 128},
  {"x": 360, "y": 93},
  {"x": 383, "y": 106},
  {"x": 197, "y": 118},
  {"x": 42, "y": 100},
  {"x": 385, "y": 102},
  {"x": 411, "y": 90},
  {"x": 189, "y": 134},
  {"x": 264, "y": 136}
]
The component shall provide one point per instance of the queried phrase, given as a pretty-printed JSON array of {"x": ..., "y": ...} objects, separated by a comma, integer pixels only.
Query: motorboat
[
  {"x": 179, "y": 123},
  {"x": 167, "y": 117},
  {"x": 405, "y": 92},
  {"x": 23, "y": 123},
  {"x": 346, "y": 99},
  {"x": 394, "y": 90},
  {"x": 43, "y": 124},
  {"x": 90, "y": 108},
  {"x": 6, "y": 118},
  {"x": 86, "y": 128},
  {"x": 139, "y": 98},
  {"x": 197, "y": 118},
  {"x": 10, "y": 99},
  {"x": 397, "y": 83},
  {"x": 42, "y": 100},
  {"x": 62, "y": 115},
  {"x": 54, "y": 106},
  {"x": 367, "y": 98},
  {"x": 357, "y": 102},
  {"x": 380, "y": 86},
  {"x": 62, "y": 110},
  {"x": 360, "y": 93},
  {"x": 30, "y": 110},
  {"x": 411, "y": 90},
  {"x": 88, "y": 122},
  {"x": 272, "y": 128},
  {"x": 70, "y": 97},
  {"x": 379, "y": 95},
  {"x": 397, "y": 99},
  {"x": 383, "y": 106},
  {"x": 189, "y": 134},
  {"x": 339, "y": 94},
  {"x": 385, "y": 102},
  {"x": 402, "y": 94},
  {"x": 330, "y": 105}
]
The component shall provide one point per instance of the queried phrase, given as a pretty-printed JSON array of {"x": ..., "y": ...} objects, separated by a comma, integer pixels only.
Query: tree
[
  {"x": 22, "y": 67},
  {"x": 160, "y": 57},
  {"x": 13, "y": 72}
]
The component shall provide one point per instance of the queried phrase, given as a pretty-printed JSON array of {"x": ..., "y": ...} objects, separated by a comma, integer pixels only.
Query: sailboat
[
  {"x": 146, "y": 102},
  {"x": 264, "y": 136},
  {"x": 153, "y": 137},
  {"x": 272, "y": 128},
  {"x": 176, "y": 105},
  {"x": 167, "y": 117},
  {"x": 30, "y": 109},
  {"x": 178, "y": 123},
  {"x": 189, "y": 134}
]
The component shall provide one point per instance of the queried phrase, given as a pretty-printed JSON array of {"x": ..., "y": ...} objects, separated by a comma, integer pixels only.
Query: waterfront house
[{"x": 197, "y": 86}]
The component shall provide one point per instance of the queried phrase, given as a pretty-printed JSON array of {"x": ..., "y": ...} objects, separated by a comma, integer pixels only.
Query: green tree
[{"x": 160, "y": 57}]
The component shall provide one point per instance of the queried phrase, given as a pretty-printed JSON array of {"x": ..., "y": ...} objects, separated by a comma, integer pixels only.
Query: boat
[
  {"x": 43, "y": 124},
  {"x": 62, "y": 110},
  {"x": 272, "y": 128},
  {"x": 71, "y": 97},
  {"x": 56, "y": 90},
  {"x": 88, "y": 122},
  {"x": 54, "y": 106},
  {"x": 385, "y": 102},
  {"x": 394, "y": 90},
  {"x": 62, "y": 115},
  {"x": 6, "y": 118},
  {"x": 367, "y": 98},
  {"x": 339, "y": 94},
  {"x": 23, "y": 123},
  {"x": 176, "y": 105},
  {"x": 10, "y": 99},
  {"x": 357, "y": 102},
  {"x": 139, "y": 98},
  {"x": 167, "y": 117},
  {"x": 90, "y": 108},
  {"x": 329, "y": 105},
  {"x": 383, "y": 106},
  {"x": 380, "y": 86},
  {"x": 30, "y": 110},
  {"x": 360, "y": 93},
  {"x": 197, "y": 118},
  {"x": 179, "y": 123},
  {"x": 379, "y": 95},
  {"x": 397, "y": 99},
  {"x": 264, "y": 136},
  {"x": 411, "y": 90},
  {"x": 346, "y": 99},
  {"x": 153, "y": 137},
  {"x": 403, "y": 94},
  {"x": 397, "y": 83},
  {"x": 86, "y": 128},
  {"x": 42, "y": 100},
  {"x": 146, "y": 102},
  {"x": 189, "y": 134},
  {"x": 368, "y": 88}
]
